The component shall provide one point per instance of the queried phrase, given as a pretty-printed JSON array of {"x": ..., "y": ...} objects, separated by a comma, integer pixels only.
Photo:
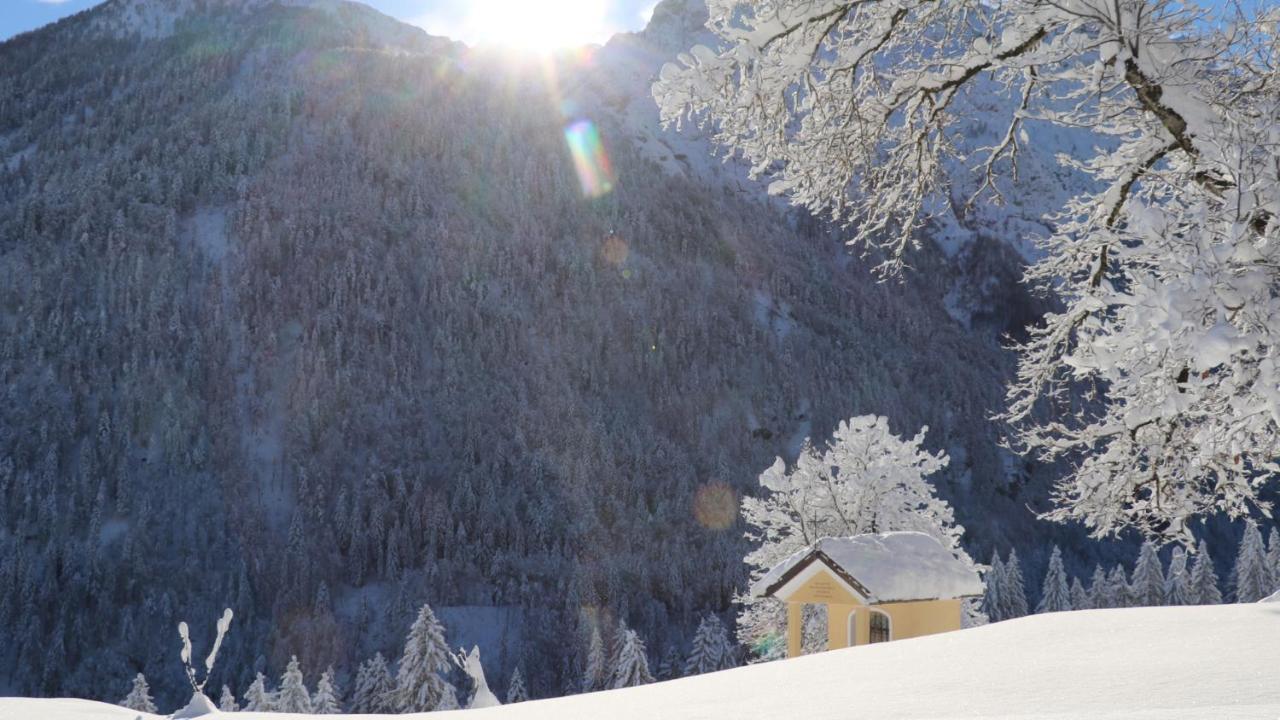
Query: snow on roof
[{"x": 893, "y": 567}]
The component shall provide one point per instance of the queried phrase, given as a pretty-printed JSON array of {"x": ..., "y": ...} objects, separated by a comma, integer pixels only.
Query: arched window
[
  {"x": 853, "y": 628},
  {"x": 881, "y": 628}
]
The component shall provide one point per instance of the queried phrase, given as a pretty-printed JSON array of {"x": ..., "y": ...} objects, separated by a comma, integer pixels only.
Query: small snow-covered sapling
[{"x": 224, "y": 624}]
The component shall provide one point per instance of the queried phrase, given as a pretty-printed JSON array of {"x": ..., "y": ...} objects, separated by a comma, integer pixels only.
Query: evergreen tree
[
  {"x": 1273, "y": 558},
  {"x": 1116, "y": 593},
  {"x": 593, "y": 675},
  {"x": 1204, "y": 579},
  {"x": 374, "y": 691},
  {"x": 1250, "y": 579},
  {"x": 1013, "y": 593},
  {"x": 1079, "y": 596},
  {"x": 257, "y": 698},
  {"x": 325, "y": 701},
  {"x": 1098, "y": 588},
  {"x": 360, "y": 689},
  {"x": 1055, "y": 595},
  {"x": 420, "y": 683},
  {"x": 516, "y": 691},
  {"x": 293, "y": 696},
  {"x": 711, "y": 649},
  {"x": 1147, "y": 587},
  {"x": 632, "y": 668},
  {"x": 139, "y": 697},
  {"x": 992, "y": 604},
  {"x": 227, "y": 703},
  {"x": 1177, "y": 585},
  {"x": 670, "y": 665}
]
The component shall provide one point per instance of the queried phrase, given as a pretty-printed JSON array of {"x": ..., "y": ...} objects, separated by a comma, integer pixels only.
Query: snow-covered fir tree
[
  {"x": 374, "y": 690},
  {"x": 1204, "y": 579},
  {"x": 139, "y": 697},
  {"x": 227, "y": 701},
  {"x": 1273, "y": 557},
  {"x": 993, "y": 581},
  {"x": 1098, "y": 588},
  {"x": 326, "y": 700},
  {"x": 1055, "y": 596},
  {"x": 258, "y": 698},
  {"x": 516, "y": 691},
  {"x": 1013, "y": 593},
  {"x": 711, "y": 649},
  {"x": 865, "y": 480},
  {"x": 1149, "y": 267},
  {"x": 292, "y": 697},
  {"x": 1146, "y": 589},
  {"x": 1117, "y": 589},
  {"x": 421, "y": 681},
  {"x": 671, "y": 664},
  {"x": 1079, "y": 596},
  {"x": 1177, "y": 583},
  {"x": 632, "y": 665},
  {"x": 1250, "y": 577},
  {"x": 595, "y": 672}
]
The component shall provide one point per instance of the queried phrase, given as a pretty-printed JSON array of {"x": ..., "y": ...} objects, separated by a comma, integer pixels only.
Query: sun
[{"x": 534, "y": 25}]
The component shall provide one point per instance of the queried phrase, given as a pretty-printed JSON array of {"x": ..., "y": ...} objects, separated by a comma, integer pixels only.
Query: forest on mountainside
[{"x": 311, "y": 318}]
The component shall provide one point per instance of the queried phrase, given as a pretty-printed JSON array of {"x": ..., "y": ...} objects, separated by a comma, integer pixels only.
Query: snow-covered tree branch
[{"x": 1155, "y": 380}]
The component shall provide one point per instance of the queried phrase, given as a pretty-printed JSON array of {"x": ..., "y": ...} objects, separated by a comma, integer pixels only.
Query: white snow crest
[
  {"x": 894, "y": 566},
  {"x": 1110, "y": 664}
]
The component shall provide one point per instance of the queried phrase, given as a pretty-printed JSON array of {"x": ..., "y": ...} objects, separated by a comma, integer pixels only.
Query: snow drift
[{"x": 1183, "y": 662}]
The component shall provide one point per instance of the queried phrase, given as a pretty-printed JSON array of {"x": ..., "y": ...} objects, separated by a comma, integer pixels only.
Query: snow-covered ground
[{"x": 1188, "y": 662}]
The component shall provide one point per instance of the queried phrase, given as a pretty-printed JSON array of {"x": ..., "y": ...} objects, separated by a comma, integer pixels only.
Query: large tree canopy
[{"x": 1155, "y": 381}]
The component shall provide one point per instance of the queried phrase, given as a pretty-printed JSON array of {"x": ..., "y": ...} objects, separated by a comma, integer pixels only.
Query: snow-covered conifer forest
[{"x": 309, "y": 314}]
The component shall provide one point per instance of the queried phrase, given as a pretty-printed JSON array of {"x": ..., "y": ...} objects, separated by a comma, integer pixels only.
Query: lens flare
[
  {"x": 768, "y": 644},
  {"x": 589, "y": 158},
  {"x": 715, "y": 506},
  {"x": 615, "y": 250}
]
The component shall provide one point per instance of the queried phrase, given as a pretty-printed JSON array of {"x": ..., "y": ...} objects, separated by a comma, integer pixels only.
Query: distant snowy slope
[
  {"x": 1187, "y": 662},
  {"x": 154, "y": 19}
]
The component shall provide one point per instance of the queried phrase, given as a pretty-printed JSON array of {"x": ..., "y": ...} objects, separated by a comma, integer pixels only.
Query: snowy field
[{"x": 1186, "y": 662}]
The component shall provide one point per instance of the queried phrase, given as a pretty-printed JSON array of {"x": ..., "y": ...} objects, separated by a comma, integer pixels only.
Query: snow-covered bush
[
  {"x": 199, "y": 703},
  {"x": 481, "y": 695},
  {"x": 139, "y": 697}
]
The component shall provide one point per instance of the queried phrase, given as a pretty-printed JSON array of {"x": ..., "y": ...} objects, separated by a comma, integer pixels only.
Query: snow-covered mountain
[
  {"x": 305, "y": 312},
  {"x": 1165, "y": 663}
]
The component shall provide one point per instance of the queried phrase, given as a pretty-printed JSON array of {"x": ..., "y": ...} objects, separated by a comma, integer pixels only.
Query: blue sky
[{"x": 592, "y": 20}]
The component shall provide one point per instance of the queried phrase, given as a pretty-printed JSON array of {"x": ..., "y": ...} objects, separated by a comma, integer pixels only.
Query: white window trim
[{"x": 887, "y": 616}]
